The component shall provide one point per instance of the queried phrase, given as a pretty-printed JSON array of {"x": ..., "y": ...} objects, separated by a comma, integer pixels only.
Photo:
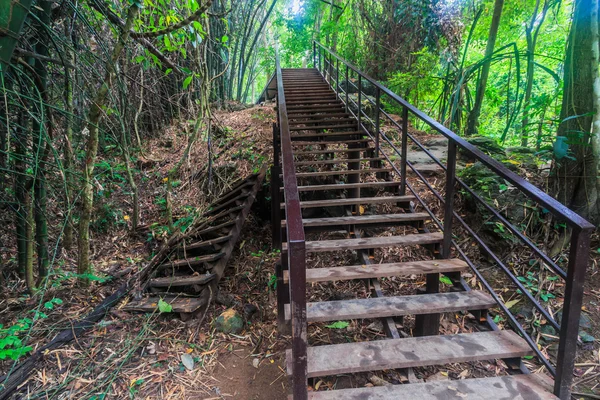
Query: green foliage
[
  {"x": 11, "y": 346},
  {"x": 338, "y": 325},
  {"x": 164, "y": 307}
]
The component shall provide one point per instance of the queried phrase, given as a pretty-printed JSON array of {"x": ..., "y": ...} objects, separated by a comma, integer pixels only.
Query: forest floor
[{"x": 140, "y": 355}]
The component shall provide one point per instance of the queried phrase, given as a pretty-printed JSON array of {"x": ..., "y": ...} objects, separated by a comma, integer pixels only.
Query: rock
[
  {"x": 485, "y": 144},
  {"x": 249, "y": 310},
  {"x": 225, "y": 299},
  {"x": 229, "y": 322},
  {"x": 255, "y": 362},
  {"x": 519, "y": 150}
]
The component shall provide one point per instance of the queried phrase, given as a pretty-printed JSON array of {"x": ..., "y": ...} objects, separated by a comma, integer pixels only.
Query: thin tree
[{"x": 473, "y": 121}]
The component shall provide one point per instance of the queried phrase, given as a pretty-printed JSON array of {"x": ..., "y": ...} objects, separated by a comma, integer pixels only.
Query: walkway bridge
[{"x": 343, "y": 186}]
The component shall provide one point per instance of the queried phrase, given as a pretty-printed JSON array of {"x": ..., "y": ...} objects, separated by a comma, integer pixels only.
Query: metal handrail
[
  {"x": 581, "y": 229},
  {"x": 296, "y": 247}
]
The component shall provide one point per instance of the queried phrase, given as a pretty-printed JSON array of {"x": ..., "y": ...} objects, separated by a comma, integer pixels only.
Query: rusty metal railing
[
  {"x": 561, "y": 368},
  {"x": 295, "y": 262}
]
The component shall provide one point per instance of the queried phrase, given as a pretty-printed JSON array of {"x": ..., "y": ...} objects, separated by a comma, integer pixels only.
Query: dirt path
[{"x": 239, "y": 379}]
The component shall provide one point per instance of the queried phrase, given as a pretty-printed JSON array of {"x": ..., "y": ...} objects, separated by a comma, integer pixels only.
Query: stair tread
[
  {"x": 517, "y": 387},
  {"x": 371, "y": 242},
  {"x": 321, "y": 134},
  {"x": 412, "y": 352},
  {"x": 382, "y": 307},
  {"x": 320, "y": 127},
  {"x": 174, "y": 281},
  {"x": 345, "y": 186},
  {"x": 208, "y": 243},
  {"x": 306, "y": 153},
  {"x": 343, "y": 172},
  {"x": 363, "y": 219},
  {"x": 350, "y": 272},
  {"x": 354, "y": 201},
  {"x": 339, "y": 161},
  {"x": 192, "y": 261},
  {"x": 178, "y": 304}
]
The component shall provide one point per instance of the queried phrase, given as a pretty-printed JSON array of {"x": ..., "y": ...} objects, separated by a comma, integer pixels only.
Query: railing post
[
  {"x": 297, "y": 271},
  {"x": 314, "y": 54},
  {"x": 347, "y": 88},
  {"x": 275, "y": 192},
  {"x": 449, "y": 201},
  {"x": 359, "y": 100},
  {"x": 377, "y": 112},
  {"x": 404, "y": 151},
  {"x": 569, "y": 324}
]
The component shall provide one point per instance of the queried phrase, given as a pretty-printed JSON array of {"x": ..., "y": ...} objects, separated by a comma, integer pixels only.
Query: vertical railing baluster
[
  {"x": 579, "y": 253},
  {"x": 314, "y": 54},
  {"x": 449, "y": 200},
  {"x": 377, "y": 112},
  {"x": 337, "y": 78},
  {"x": 347, "y": 88},
  {"x": 359, "y": 101},
  {"x": 404, "y": 151}
]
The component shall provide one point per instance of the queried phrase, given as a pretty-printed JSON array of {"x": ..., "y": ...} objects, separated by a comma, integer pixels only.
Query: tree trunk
[
  {"x": 83, "y": 262},
  {"x": 473, "y": 122},
  {"x": 575, "y": 176},
  {"x": 12, "y": 17}
]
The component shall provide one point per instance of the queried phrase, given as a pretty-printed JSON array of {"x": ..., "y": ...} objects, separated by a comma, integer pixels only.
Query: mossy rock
[
  {"x": 488, "y": 145},
  {"x": 229, "y": 322}
]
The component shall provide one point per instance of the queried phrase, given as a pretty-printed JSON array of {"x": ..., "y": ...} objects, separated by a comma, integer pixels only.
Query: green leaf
[
  {"x": 187, "y": 81},
  {"x": 446, "y": 280},
  {"x": 164, "y": 307},
  {"x": 225, "y": 39},
  {"x": 49, "y": 305},
  {"x": 338, "y": 325}
]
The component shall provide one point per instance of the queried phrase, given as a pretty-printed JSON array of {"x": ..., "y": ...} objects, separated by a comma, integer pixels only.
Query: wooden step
[
  {"x": 516, "y": 387},
  {"x": 293, "y": 110},
  {"x": 179, "y": 304},
  {"x": 299, "y": 136},
  {"x": 208, "y": 243},
  {"x": 371, "y": 271},
  {"x": 339, "y": 161},
  {"x": 314, "y": 102},
  {"x": 177, "y": 281},
  {"x": 319, "y": 127},
  {"x": 333, "y": 151},
  {"x": 328, "y": 119},
  {"x": 215, "y": 228},
  {"x": 330, "y": 142},
  {"x": 382, "y": 307},
  {"x": 240, "y": 197},
  {"x": 371, "y": 242},
  {"x": 346, "y": 186},
  {"x": 192, "y": 261},
  {"x": 343, "y": 172},
  {"x": 380, "y": 220},
  {"x": 412, "y": 352},
  {"x": 326, "y": 115},
  {"x": 354, "y": 201}
]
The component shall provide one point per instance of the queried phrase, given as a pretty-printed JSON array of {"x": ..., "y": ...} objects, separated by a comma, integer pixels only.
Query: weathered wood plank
[
  {"x": 179, "y": 304},
  {"x": 307, "y": 153},
  {"x": 412, "y": 352},
  {"x": 343, "y": 172},
  {"x": 175, "y": 281},
  {"x": 299, "y": 136},
  {"x": 208, "y": 243},
  {"x": 331, "y": 142},
  {"x": 388, "y": 270},
  {"x": 192, "y": 261},
  {"x": 371, "y": 242},
  {"x": 363, "y": 219},
  {"x": 517, "y": 387},
  {"x": 354, "y": 201},
  {"x": 319, "y": 127},
  {"x": 383, "y": 307},
  {"x": 346, "y": 186},
  {"x": 338, "y": 161},
  {"x": 215, "y": 228}
]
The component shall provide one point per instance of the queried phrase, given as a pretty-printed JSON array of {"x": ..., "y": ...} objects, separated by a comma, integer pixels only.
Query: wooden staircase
[{"x": 345, "y": 185}]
